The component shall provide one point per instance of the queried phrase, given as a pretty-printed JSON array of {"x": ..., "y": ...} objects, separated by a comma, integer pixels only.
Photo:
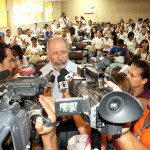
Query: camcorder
[
  {"x": 105, "y": 110},
  {"x": 19, "y": 108}
]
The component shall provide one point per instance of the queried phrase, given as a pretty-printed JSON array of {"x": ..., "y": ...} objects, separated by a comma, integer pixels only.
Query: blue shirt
[{"x": 115, "y": 49}]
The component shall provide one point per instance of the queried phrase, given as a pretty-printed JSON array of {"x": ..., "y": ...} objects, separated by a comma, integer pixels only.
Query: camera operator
[{"x": 126, "y": 140}]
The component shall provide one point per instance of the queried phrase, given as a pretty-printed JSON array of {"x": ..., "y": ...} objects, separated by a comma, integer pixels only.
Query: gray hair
[{"x": 61, "y": 39}]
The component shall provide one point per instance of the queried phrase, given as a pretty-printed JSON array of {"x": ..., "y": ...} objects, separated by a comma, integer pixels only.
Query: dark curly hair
[{"x": 18, "y": 49}]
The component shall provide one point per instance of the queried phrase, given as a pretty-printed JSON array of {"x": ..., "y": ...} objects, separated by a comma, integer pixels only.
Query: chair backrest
[{"x": 76, "y": 55}]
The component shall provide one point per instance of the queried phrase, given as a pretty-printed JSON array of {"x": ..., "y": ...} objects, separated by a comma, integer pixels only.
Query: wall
[
  {"x": 56, "y": 15},
  {"x": 108, "y": 10}
]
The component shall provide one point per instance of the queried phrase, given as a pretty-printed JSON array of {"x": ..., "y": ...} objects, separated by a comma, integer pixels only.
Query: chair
[
  {"x": 81, "y": 46},
  {"x": 76, "y": 55}
]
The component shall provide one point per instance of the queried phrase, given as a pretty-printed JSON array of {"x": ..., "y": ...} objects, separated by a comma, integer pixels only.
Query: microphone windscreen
[
  {"x": 60, "y": 78},
  {"x": 4, "y": 74},
  {"x": 38, "y": 73},
  {"x": 63, "y": 72},
  {"x": 52, "y": 78}
]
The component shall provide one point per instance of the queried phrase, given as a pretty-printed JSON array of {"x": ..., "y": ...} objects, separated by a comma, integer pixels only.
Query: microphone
[
  {"x": 51, "y": 83},
  {"x": 62, "y": 84},
  {"x": 67, "y": 75},
  {"x": 4, "y": 74}
]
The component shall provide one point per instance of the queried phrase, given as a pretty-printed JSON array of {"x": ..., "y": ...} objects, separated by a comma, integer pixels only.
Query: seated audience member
[
  {"x": 112, "y": 41},
  {"x": 142, "y": 35},
  {"x": 44, "y": 29},
  {"x": 28, "y": 37},
  {"x": 21, "y": 60},
  {"x": 134, "y": 30},
  {"x": 66, "y": 37},
  {"x": 119, "y": 54},
  {"x": 126, "y": 140},
  {"x": 57, "y": 30},
  {"x": 139, "y": 76},
  {"x": 35, "y": 30},
  {"x": 81, "y": 29},
  {"x": 130, "y": 43},
  {"x": 73, "y": 36},
  {"x": 98, "y": 44},
  {"x": 93, "y": 33},
  {"x": 34, "y": 48},
  {"x": 88, "y": 28},
  {"x": 139, "y": 24},
  {"x": 107, "y": 30},
  {"x": 148, "y": 38},
  {"x": 122, "y": 33},
  {"x": 58, "y": 54},
  {"x": 49, "y": 32},
  {"x": 2, "y": 37},
  {"x": 9, "y": 39},
  {"x": 143, "y": 51},
  {"x": 82, "y": 19},
  {"x": 19, "y": 38},
  {"x": 53, "y": 25},
  {"x": 118, "y": 28}
]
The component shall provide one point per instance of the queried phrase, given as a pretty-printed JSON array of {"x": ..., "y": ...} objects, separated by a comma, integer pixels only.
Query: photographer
[{"x": 126, "y": 140}]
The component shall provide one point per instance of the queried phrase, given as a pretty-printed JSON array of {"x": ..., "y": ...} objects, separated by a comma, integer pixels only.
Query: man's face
[
  {"x": 63, "y": 32},
  {"x": 9, "y": 62},
  {"x": 58, "y": 53},
  {"x": 28, "y": 33},
  {"x": 34, "y": 42}
]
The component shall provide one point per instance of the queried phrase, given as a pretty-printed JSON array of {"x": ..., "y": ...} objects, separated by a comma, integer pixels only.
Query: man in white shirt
[
  {"x": 58, "y": 54},
  {"x": 66, "y": 36},
  {"x": 36, "y": 30},
  {"x": 28, "y": 37}
]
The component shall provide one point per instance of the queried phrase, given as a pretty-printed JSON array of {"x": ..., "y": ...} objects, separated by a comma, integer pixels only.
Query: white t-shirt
[
  {"x": 47, "y": 68},
  {"x": 9, "y": 40},
  {"x": 99, "y": 42},
  {"x": 130, "y": 45},
  {"x": 18, "y": 40},
  {"x": 23, "y": 63},
  {"x": 143, "y": 55},
  {"x": 28, "y": 38},
  {"x": 33, "y": 49},
  {"x": 122, "y": 36}
]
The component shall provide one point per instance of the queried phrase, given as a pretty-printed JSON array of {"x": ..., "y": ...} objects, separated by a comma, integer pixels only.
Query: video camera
[
  {"x": 107, "y": 110},
  {"x": 19, "y": 108}
]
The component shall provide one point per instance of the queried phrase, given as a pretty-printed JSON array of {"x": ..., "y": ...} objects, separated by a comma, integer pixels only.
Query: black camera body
[
  {"x": 105, "y": 109},
  {"x": 19, "y": 109}
]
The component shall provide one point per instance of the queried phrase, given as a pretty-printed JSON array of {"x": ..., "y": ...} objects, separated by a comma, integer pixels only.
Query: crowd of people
[{"x": 127, "y": 47}]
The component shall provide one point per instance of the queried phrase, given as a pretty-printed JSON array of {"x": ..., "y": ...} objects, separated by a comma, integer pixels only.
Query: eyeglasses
[{"x": 59, "y": 53}]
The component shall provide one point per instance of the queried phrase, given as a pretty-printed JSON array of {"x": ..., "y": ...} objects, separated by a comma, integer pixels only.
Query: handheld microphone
[
  {"x": 4, "y": 74},
  {"x": 51, "y": 83},
  {"x": 63, "y": 85},
  {"x": 67, "y": 75}
]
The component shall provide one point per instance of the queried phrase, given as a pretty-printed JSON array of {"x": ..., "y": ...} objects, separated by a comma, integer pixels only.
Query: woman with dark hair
[
  {"x": 143, "y": 50},
  {"x": 93, "y": 32},
  {"x": 139, "y": 76},
  {"x": 112, "y": 41},
  {"x": 21, "y": 60},
  {"x": 63, "y": 20}
]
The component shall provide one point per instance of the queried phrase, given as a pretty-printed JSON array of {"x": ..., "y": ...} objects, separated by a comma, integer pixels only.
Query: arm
[
  {"x": 128, "y": 141},
  {"x": 48, "y": 134}
]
